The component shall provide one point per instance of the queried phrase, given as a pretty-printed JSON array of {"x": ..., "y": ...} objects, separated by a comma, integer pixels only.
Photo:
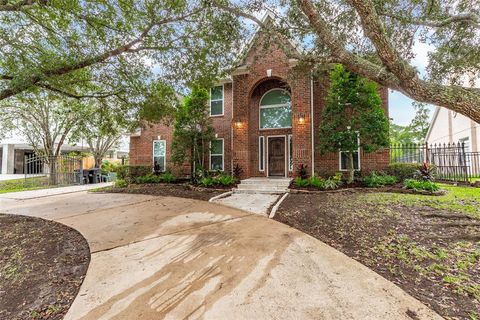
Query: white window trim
[
  {"x": 164, "y": 156},
  {"x": 215, "y": 154},
  {"x": 359, "y": 159},
  {"x": 261, "y": 157},
  {"x": 290, "y": 153},
  {"x": 273, "y": 106},
  {"x": 223, "y": 102}
]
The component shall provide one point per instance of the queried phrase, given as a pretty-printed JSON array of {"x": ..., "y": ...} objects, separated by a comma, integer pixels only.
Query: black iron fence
[
  {"x": 453, "y": 161},
  {"x": 48, "y": 171}
]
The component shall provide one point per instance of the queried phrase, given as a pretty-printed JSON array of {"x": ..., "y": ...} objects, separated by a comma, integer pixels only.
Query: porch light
[
  {"x": 159, "y": 137},
  {"x": 301, "y": 118},
  {"x": 238, "y": 124}
]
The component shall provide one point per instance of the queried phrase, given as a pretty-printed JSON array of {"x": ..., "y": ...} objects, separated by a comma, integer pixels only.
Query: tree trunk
[
  {"x": 52, "y": 164},
  {"x": 98, "y": 161},
  {"x": 351, "y": 168}
]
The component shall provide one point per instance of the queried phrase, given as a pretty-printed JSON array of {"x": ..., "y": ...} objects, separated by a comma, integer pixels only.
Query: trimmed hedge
[
  {"x": 403, "y": 171},
  {"x": 132, "y": 173}
]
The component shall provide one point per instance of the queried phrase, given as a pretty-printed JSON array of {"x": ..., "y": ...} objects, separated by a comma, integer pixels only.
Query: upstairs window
[
  {"x": 276, "y": 110},
  {"x": 216, "y": 101}
]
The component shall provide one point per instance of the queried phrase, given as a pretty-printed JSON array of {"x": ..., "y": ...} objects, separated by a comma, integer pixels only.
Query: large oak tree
[
  {"x": 99, "y": 48},
  {"x": 375, "y": 39}
]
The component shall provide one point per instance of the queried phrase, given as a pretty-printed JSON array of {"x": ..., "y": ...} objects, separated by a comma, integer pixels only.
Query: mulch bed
[
  {"x": 169, "y": 190},
  {"x": 42, "y": 265},
  {"x": 404, "y": 244}
]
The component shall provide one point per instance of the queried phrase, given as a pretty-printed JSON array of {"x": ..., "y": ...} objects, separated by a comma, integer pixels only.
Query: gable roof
[{"x": 268, "y": 17}]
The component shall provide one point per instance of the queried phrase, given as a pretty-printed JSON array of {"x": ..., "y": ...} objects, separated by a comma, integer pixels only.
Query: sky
[{"x": 400, "y": 106}]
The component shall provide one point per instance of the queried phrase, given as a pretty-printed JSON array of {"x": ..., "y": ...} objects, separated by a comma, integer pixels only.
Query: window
[
  {"x": 276, "y": 110},
  {"x": 356, "y": 159},
  {"x": 344, "y": 161},
  {"x": 261, "y": 153},
  {"x": 159, "y": 155},
  {"x": 290, "y": 153},
  {"x": 216, "y": 101},
  {"x": 216, "y": 155}
]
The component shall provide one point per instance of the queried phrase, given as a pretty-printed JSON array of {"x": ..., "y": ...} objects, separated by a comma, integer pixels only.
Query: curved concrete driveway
[{"x": 172, "y": 258}]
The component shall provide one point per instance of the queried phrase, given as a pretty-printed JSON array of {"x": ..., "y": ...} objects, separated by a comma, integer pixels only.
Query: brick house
[{"x": 266, "y": 117}]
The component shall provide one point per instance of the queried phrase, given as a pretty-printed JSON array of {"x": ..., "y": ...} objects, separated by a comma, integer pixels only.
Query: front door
[{"x": 276, "y": 156}]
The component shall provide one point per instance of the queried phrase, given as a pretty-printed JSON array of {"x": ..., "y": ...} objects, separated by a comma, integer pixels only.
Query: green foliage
[
  {"x": 425, "y": 173},
  {"x": 402, "y": 171},
  {"x": 108, "y": 166},
  {"x": 130, "y": 173},
  {"x": 300, "y": 182},
  {"x": 120, "y": 41},
  {"x": 375, "y": 180},
  {"x": 416, "y": 131},
  {"x": 425, "y": 185},
  {"x": 317, "y": 182},
  {"x": 217, "y": 180},
  {"x": 168, "y": 177},
  {"x": 353, "y": 113},
  {"x": 121, "y": 183},
  {"x": 302, "y": 171},
  {"x": 193, "y": 130}
]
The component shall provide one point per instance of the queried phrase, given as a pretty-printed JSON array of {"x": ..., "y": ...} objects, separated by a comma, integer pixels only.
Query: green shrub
[
  {"x": 403, "y": 171},
  {"x": 121, "y": 183},
  {"x": 122, "y": 172},
  {"x": 149, "y": 178},
  {"x": 317, "y": 182},
  {"x": 131, "y": 173},
  {"x": 206, "y": 182},
  {"x": 332, "y": 183},
  {"x": 300, "y": 182},
  {"x": 421, "y": 185},
  {"x": 225, "y": 180},
  {"x": 167, "y": 177},
  {"x": 375, "y": 180}
]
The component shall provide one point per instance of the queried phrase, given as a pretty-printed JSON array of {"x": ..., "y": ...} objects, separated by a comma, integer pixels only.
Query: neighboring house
[
  {"x": 266, "y": 117},
  {"x": 450, "y": 127},
  {"x": 14, "y": 150}
]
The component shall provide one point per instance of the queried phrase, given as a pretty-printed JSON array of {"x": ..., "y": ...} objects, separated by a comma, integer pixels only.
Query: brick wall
[
  {"x": 247, "y": 92},
  {"x": 239, "y": 126}
]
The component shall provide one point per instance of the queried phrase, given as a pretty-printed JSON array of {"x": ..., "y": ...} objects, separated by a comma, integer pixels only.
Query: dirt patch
[
  {"x": 170, "y": 190},
  {"x": 433, "y": 254},
  {"x": 42, "y": 265}
]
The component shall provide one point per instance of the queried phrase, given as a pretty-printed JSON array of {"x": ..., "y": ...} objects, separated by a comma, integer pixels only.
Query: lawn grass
[
  {"x": 458, "y": 198},
  {"x": 23, "y": 184},
  {"x": 428, "y": 245}
]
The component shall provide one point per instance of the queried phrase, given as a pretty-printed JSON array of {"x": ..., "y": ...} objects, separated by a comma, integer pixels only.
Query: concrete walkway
[
  {"x": 172, "y": 258},
  {"x": 255, "y": 203}
]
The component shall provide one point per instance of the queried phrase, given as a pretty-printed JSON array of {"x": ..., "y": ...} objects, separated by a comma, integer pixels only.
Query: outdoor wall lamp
[
  {"x": 159, "y": 137},
  {"x": 301, "y": 118},
  {"x": 238, "y": 124}
]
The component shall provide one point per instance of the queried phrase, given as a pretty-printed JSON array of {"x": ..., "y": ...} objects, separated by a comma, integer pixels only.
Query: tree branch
[
  {"x": 21, "y": 5},
  {"x": 469, "y": 18},
  {"x": 76, "y": 95},
  {"x": 34, "y": 79}
]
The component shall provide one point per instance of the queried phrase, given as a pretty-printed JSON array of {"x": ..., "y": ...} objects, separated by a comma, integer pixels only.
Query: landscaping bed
[
  {"x": 169, "y": 190},
  {"x": 42, "y": 265},
  {"x": 428, "y": 245}
]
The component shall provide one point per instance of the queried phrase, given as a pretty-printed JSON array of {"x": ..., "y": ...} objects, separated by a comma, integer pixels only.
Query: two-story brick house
[{"x": 266, "y": 117}]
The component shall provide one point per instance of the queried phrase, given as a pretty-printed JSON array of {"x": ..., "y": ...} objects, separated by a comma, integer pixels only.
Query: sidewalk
[{"x": 32, "y": 194}]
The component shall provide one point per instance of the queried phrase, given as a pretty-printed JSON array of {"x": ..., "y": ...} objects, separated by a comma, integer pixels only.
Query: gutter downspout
[
  {"x": 231, "y": 132},
  {"x": 312, "y": 134}
]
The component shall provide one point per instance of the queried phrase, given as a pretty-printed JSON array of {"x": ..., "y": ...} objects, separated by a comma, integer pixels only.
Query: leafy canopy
[{"x": 353, "y": 112}]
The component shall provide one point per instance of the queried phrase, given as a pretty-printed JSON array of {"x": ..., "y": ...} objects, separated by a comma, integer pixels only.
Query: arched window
[{"x": 276, "y": 110}]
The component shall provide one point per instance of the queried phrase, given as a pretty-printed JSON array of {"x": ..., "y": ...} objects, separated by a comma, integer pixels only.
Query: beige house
[{"x": 450, "y": 127}]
